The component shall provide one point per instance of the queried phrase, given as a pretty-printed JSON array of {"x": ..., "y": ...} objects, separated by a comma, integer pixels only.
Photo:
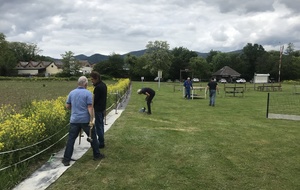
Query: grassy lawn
[
  {"x": 186, "y": 144},
  {"x": 20, "y": 93}
]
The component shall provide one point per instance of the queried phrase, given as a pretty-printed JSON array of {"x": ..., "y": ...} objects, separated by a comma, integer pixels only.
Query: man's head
[
  {"x": 82, "y": 81},
  {"x": 95, "y": 77},
  {"x": 139, "y": 91},
  {"x": 188, "y": 78}
]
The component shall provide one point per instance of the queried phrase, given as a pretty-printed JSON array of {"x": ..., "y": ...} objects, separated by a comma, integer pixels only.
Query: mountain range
[{"x": 96, "y": 58}]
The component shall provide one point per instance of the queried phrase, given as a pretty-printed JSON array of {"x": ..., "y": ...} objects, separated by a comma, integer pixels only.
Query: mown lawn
[{"x": 186, "y": 144}]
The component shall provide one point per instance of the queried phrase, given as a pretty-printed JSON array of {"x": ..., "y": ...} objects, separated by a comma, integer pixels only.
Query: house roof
[
  {"x": 227, "y": 72},
  {"x": 34, "y": 65}
]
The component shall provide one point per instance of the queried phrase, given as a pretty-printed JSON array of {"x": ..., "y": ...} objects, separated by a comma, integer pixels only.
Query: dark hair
[{"x": 95, "y": 75}]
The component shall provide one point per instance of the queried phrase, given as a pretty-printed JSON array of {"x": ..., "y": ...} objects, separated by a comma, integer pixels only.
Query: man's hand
[{"x": 91, "y": 124}]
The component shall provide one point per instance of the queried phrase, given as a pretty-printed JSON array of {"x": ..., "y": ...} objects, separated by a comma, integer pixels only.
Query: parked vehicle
[
  {"x": 223, "y": 81},
  {"x": 241, "y": 80},
  {"x": 195, "y": 80},
  {"x": 156, "y": 79}
]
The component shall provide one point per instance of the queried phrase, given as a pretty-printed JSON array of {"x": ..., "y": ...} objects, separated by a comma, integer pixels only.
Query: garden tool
[
  {"x": 80, "y": 135},
  {"x": 89, "y": 139}
]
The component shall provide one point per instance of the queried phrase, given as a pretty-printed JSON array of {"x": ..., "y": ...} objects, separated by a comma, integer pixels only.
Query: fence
[{"x": 283, "y": 106}]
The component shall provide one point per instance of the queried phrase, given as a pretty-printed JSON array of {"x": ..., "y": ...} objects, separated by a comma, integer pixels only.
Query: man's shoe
[
  {"x": 100, "y": 157},
  {"x": 66, "y": 163}
]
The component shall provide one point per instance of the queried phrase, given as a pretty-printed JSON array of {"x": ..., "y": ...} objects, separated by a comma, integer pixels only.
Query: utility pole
[{"x": 280, "y": 58}]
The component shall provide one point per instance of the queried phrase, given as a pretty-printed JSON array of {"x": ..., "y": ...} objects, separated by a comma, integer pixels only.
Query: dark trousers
[
  {"x": 149, "y": 100},
  {"x": 99, "y": 124},
  {"x": 74, "y": 131}
]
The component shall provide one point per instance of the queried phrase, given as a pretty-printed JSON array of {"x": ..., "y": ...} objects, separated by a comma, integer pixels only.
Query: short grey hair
[{"x": 82, "y": 81}]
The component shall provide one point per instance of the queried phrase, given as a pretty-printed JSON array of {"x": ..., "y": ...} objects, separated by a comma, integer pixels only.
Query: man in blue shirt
[
  {"x": 80, "y": 102},
  {"x": 188, "y": 86}
]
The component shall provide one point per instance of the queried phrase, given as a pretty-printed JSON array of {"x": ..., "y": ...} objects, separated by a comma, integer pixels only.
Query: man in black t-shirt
[
  {"x": 99, "y": 102},
  {"x": 212, "y": 86},
  {"x": 150, "y": 93}
]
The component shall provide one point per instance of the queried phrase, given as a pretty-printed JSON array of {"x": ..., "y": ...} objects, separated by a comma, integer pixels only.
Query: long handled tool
[
  {"x": 89, "y": 139},
  {"x": 80, "y": 135}
]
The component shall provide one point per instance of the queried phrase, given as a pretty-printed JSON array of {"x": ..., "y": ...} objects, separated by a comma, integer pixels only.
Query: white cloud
[{"x": 98, "y": 26}]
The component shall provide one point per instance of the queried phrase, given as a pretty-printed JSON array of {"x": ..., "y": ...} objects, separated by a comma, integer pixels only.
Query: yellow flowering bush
[
  {"x": 18, "y": 131},
  {"x": 50, "y": 112},
  {"x": 6, "y": 111}
]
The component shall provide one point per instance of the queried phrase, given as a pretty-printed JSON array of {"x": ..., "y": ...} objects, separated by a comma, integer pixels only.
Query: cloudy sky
[{"x": 120, "y": 26}]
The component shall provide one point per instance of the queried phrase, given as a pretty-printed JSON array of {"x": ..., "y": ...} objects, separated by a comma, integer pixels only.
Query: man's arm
[
  {"x": 218, "y": 89},
  {"x": 91, "y": 112},
  {"x": 68, "y": 106}
]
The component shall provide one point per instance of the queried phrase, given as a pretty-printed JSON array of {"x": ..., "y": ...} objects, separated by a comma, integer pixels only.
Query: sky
[{"x": 121, "y": 26}]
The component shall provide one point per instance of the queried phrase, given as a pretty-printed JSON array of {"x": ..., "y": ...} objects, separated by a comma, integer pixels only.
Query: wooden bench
[
  {"x": 234, "y": 90},
  {"x": 296, "y": 89}
]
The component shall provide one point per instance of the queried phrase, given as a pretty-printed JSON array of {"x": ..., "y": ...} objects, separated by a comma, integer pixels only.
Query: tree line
[{"x": 176, "y": 63}]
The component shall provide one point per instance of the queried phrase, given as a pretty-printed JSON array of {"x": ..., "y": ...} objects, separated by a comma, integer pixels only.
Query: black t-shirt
[
  {"x": 148, "y": 90},
  {"x": 100, "y": 96},
  {"x": 212, "y": 85}
]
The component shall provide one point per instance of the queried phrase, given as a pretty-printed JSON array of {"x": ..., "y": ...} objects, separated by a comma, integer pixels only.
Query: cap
[{"x": 139, "y": 91}]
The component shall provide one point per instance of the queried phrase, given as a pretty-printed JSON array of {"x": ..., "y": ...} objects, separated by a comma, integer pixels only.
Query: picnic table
[
  {"x": 234, "y": 90},
  {"x": 267, "y": 87}
]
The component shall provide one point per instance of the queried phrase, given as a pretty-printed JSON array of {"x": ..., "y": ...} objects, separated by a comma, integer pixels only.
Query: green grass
[
  {"x": 186, "y": 144},
  {"x": 20, "y": 93}
]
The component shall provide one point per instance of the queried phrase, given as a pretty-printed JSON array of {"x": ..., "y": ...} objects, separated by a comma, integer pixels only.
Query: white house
[{"x": 85, "y": 67}]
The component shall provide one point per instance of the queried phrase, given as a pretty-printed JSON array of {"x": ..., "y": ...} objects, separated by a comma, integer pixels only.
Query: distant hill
[{"x": 96, "y": 58}]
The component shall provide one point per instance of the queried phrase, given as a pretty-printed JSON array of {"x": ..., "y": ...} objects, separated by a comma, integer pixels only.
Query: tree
[
  {"x": 251, "y": 54},
  {"x": 200, "y": 67},
  {"x": 180, "y": 60},
  {"x": 158, "y": 57},
  {"x": 70, "y": 65},
  {"x": 24, "y": 51},
  {"x": 210, "y": 56},
  {"x": 220, "y": 60},
  {"x": 130, "y": 63},
  {"x": 116, "y": 63},
  {"x": 7, "y": 59},
  {"x": 113, "y": 66},
  {"x": 290, "y": 49}
]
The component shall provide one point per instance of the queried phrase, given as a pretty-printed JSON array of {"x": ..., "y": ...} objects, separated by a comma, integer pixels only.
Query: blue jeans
[
  {"x": 212, "y": 97},
  {"x": 99, "y": 124},
  {"x": 74, "y": 131},
  {"x": 188, "y": 93}
]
